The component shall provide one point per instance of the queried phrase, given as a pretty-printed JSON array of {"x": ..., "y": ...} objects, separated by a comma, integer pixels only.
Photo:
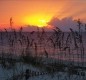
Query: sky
[{"x": 40, "y": 12}]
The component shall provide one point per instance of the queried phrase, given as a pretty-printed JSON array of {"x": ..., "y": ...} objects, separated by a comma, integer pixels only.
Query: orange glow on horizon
[
  {"x": 36, "y": 20},
  {"x": 40, "y": 12}
]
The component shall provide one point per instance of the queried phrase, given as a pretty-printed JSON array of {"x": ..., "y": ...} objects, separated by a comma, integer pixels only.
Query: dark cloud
[{"x": 64, "y": 24}]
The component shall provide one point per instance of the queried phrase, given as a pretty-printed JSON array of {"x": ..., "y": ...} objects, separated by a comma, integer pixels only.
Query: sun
[
  {"x": 42, "y": 23},
  {"x": 36, "y": 20}
]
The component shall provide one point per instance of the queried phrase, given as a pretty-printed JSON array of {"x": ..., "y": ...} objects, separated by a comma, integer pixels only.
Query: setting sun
[{"x": 37, "y": 20}]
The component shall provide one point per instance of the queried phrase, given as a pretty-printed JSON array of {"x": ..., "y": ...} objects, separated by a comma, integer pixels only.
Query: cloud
[
  {"x": 64, "y": 24},
  {"x": 29, "y": 28}
]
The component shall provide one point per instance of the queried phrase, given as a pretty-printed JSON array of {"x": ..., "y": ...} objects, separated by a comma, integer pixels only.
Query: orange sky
[{"x": 40, "y": 11}]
